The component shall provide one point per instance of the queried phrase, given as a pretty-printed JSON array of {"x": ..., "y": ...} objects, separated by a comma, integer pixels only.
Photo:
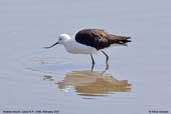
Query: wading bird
[{"x": 90, "y": 41}]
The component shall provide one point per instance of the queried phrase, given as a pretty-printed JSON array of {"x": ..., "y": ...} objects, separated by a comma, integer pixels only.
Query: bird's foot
[
  {"x": 92, "y": 67},
  {"x": 107, "y": 67}
]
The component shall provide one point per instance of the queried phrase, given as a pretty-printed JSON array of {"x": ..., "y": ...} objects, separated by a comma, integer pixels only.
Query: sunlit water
[{"x": 33, "y": 78}]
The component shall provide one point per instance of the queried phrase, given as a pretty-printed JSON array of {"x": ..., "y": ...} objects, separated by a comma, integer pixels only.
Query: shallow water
[{"x": 32, "y": 78}]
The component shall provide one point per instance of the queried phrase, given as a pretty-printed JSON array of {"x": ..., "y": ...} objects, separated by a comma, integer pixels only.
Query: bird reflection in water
[{"x": 88, "y": 83}]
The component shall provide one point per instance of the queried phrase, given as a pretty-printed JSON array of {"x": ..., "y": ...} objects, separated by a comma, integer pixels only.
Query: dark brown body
[{"x": 100, "y": 39}]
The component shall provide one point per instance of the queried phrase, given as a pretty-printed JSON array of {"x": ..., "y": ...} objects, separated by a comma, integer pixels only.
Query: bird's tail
[{"x": 119, "y": 40}]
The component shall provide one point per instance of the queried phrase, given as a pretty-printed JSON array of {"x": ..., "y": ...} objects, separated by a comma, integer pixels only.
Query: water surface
[{"x": 33, "y": 78}]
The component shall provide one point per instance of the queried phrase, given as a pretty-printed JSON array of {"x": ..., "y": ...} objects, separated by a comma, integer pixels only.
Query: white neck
[{"x": 74, "y": 47}]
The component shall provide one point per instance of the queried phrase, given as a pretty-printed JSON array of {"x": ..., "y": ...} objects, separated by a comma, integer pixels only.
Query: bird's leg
[
  {"x": 107, "y": 58},
  {"x": 93, "y": 62}
]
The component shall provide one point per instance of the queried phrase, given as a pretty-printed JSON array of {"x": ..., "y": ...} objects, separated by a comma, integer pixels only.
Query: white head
[{"x": 62, "y": 39}]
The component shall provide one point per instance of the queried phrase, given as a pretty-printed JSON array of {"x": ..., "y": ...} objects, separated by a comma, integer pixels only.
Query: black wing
[{"x": 96, "y": 38}]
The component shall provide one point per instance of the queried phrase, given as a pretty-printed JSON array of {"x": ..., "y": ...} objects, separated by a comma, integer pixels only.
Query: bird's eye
[{"x": 60, "y": 39}]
